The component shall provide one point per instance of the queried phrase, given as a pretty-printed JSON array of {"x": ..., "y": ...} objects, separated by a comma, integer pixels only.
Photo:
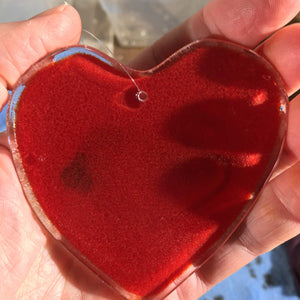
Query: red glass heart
[{"x": 144, "y": 193}]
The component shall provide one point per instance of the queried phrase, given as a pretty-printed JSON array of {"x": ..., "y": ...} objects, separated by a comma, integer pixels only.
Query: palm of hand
[{"x": 34, "y": 266}]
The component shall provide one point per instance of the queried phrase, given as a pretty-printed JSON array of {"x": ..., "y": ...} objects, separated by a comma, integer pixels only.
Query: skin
[{"x": 34, "y": 266}]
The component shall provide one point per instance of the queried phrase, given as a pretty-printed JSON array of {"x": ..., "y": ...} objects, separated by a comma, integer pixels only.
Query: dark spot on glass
[
  {"x": 76, "y": 175},
  {"x": 258, "y": 260},
  {"x": 219, "y": 297},
  {"x": 269, "y": 281},
  {"x": 252, "y": 273}
]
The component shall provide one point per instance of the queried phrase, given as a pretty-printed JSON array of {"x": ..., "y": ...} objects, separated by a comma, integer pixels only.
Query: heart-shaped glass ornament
[{"x": 145, "y": 192}]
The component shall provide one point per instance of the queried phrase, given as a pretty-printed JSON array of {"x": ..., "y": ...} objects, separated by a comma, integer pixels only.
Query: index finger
[{"x": 246, "y": 22}]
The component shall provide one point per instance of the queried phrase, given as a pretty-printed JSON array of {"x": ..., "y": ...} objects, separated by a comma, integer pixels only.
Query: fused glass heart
[{"x": 145, "y": 192}]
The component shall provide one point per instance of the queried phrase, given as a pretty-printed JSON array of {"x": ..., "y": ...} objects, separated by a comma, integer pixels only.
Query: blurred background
[{"x": 126, "y": 27}]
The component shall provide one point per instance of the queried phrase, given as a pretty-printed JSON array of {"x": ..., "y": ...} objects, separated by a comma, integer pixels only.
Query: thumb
[{"x": 23, "y": 43}]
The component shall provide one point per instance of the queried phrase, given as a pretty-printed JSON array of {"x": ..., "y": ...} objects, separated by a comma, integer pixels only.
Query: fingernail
[{"x": 53, "y": 10}]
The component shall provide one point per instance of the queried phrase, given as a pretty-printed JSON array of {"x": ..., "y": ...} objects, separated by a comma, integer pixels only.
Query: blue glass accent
[
  {"x": 75, "y": 50},
  {"x": 16, "y": 96},
  {"x": 3, "y": 119}
]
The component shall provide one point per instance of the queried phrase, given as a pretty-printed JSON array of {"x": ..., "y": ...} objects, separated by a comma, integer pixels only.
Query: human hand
[{"x": 34, "y": 266}]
